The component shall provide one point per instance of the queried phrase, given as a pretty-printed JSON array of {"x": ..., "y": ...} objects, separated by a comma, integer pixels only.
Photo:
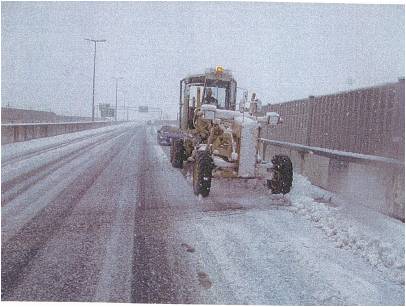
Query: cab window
[{"x": 220, "y": 94}]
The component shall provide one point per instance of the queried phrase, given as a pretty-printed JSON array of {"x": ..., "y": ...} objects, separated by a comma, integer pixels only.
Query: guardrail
[
  {"x": 334, "y": 154},
  {"x": 19, "y": 132}
]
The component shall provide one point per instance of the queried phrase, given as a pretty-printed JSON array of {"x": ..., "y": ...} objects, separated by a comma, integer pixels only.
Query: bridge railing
[{"x": 11, "y": 133}]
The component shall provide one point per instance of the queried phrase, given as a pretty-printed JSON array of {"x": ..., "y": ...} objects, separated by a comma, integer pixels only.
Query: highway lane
[
  {"x": 79, "y": 227},
  {"x": 106, "y": 218}
]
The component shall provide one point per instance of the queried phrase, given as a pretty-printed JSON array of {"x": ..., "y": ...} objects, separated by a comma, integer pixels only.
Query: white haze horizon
[{"x": 281, "y": 51}]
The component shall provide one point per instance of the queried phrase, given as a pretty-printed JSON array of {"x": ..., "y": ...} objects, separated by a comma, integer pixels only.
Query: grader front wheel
[
  {"x": 202, "y": 173},
  {"x": 282, "y": 178}
]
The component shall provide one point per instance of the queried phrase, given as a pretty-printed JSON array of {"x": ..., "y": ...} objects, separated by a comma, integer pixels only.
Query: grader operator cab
[{"x": 215, "y": 140}]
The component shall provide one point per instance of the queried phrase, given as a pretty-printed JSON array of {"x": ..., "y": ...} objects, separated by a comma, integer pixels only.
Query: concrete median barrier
[{"x": 11, "y": 133}]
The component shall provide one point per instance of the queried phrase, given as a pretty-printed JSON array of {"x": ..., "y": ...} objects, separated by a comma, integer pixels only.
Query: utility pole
[
  {"x": 95, "y": 41},
  {"x": 116, "y": 78}
]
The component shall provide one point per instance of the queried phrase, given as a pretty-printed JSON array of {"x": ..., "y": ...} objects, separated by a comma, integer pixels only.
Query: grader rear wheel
[
  {"x": 282, "y": 178},
  {"x": 202, "y": 173}
]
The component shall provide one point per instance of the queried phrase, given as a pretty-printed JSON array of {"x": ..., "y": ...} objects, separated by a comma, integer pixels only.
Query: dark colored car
[{"x": 165, "y": 135}]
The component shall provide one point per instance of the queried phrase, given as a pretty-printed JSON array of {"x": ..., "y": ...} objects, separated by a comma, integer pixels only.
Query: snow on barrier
[{"x": 11, "y": 133}]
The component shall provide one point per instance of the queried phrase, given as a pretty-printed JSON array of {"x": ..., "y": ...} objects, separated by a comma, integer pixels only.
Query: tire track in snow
[
  {"x": 114, "y": 283},
  {"x": 16, "y": 177},
  {"x": 22, "y": 183},
  {"x": 152, "y": 271},
  {"x": 20, "y": 250},
  {"x": 36, "y": 152}
]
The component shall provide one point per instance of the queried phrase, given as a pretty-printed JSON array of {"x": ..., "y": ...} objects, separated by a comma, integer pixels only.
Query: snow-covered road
[{"x": 100, "y": 215}]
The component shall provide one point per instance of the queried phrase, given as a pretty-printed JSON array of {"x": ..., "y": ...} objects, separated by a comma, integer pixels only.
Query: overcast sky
[{"x": 280, "y": 51}]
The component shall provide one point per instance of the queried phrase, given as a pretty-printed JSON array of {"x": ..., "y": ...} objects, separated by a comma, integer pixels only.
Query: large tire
[
  {"x": 177, "y": 153},
  {"x": 282, "y": 178},
  {"x": 202, "y": 173}
]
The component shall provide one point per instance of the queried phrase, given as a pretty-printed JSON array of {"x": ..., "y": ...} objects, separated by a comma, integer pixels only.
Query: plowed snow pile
[{"x": 376, "y": 237}]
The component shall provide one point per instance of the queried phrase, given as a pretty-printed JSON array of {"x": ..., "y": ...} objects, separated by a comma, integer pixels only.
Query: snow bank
[{"x": 377, "y": 238}]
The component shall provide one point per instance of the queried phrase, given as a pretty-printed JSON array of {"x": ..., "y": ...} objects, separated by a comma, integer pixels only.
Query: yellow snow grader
[{"x": 216, "y": 140}]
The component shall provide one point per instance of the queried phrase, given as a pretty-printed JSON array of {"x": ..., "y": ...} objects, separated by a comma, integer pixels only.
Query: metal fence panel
[{"x": 368, "y": 121}]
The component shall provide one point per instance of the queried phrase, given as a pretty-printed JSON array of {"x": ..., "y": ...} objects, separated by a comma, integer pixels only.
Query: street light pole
[
  {"x": 125, "y": 106},
  {"x": 116, "y": 78},
  {"x": 95, "y": 41},
  {"x": 124, "y": 103},
  {"x": 124, "y": 95}
]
